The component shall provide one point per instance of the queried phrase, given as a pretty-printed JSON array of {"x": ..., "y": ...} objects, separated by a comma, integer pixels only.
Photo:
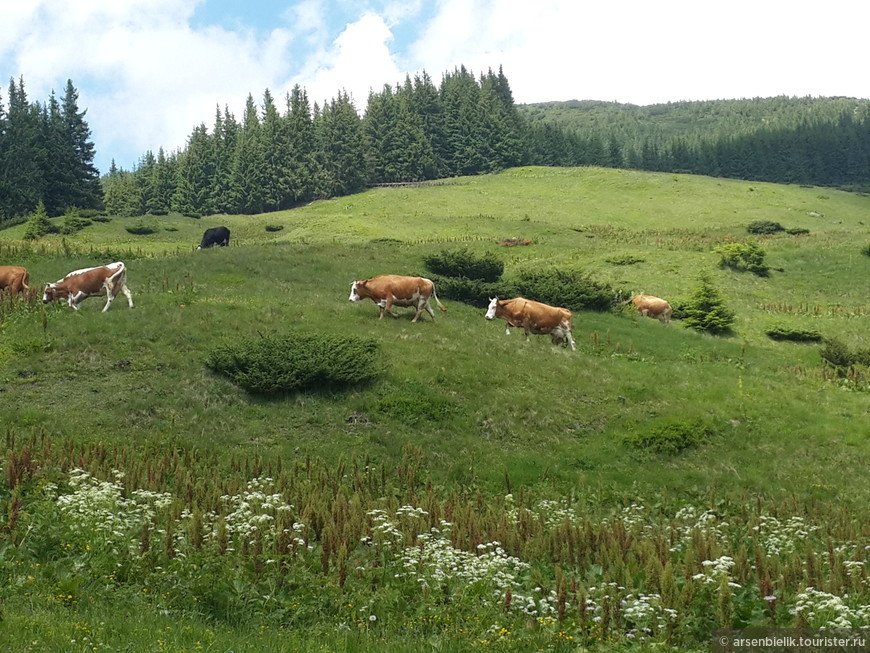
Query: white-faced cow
[
  {"x": 13, "y": 279},
  {"x": 534, "y": 317},
  {"x": 651, "y": 306},
  {"x": 390, "y": 290},
  {"x": 109, "y": 280},
  {"x": 219, "y": 236}
]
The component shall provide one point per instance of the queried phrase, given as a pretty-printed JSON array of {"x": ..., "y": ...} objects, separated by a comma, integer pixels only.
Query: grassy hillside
[{"x": 469, "y": 410}]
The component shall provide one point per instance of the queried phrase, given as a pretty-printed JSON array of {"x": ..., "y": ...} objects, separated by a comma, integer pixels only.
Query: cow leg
[
  {"x": 110, "y": 297},
  {"x": 388, "y": 307},
  {"x": 429, "y": 309},
  {"x": 127, "y": 294}
]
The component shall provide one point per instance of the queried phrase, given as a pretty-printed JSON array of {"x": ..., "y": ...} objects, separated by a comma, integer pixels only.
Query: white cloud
[
  {"x": 147, "y": 77},
  {"x": 359, "y": 61}
]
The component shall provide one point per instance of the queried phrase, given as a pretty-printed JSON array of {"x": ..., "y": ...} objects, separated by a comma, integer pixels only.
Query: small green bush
[
  {"x": 764, "y": 227},
  {"x": 73, "y": 222},
  {"x": 294, "y": 362},
  {"x": 101, "y": 218},
  {"x": 797, "y": 231},
  {"x": 795, "y": 335},
  {"x": 866, "y": 250},
  {"x": 747, "y": 257},
  {"x": 463, "y": 263},
  {"x": 706, "y": 311},
  {"x": 571, "y": 289},
  {"x": 142, "y": 228},
  {"x": 626, "y": 259},
  {"x": 274, "y": 227},
  {"x": 670, "y": 436}
]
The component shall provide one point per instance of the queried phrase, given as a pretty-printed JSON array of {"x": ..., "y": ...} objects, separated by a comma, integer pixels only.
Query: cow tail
[
  {"x": 438, "y": 301},
  {"x": 25, "y": 280}
]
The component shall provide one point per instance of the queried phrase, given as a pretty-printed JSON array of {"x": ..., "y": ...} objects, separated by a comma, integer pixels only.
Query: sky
[{"x": 149, "y": 71}]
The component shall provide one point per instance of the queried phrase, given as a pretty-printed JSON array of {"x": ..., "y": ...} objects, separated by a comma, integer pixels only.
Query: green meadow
[{"x": 563, "y": 533}]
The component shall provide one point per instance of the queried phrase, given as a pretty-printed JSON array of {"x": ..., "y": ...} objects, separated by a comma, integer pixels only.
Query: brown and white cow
[
  {"x": 109, "y": 280},
  {"x": 534, "y": 317},
  {"x": 652, "y": 306},
  {"x": 388, "y": 290},
  {"x": 14, "y": 278}
]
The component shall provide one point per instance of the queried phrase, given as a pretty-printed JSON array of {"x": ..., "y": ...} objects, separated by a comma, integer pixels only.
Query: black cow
[{"x": 215, "y": 236}]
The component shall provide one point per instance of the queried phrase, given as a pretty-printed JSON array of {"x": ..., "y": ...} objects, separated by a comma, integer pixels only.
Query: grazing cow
[
  {"x": 390, "y": 290},
  {"x": 13, "y": 278},
  {"x": 534, "y": 317},
  {"x": 651, "y": 306},
  {"x": 215, "y": 236},
  {"x": 109, "y": 280}
]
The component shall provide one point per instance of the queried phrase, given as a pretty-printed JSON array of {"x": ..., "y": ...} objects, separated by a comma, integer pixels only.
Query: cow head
[
  {"x": 50, "y": 293},
  {"x": 490, "y": 311},
  {"x": 354, "y": 291}
]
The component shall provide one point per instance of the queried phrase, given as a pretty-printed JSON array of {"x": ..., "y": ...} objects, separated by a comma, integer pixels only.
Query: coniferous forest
[{"x": 285, "y": 151}]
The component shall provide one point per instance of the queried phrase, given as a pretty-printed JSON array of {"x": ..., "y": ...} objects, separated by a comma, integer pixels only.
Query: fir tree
[
  {"x": 38, "y": 224},
  {"x": 706, "y": 311}
]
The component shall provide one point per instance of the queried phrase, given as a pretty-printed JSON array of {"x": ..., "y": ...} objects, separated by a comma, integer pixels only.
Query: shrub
[
  {"x": 797, "y": 231},
  {"x": 866, "y": 250},
  {"x": 470, "y": 291},
  {"x": 463, "y": 263},
  {"x": 294, "y": 362},
  {"x": 747, "y": 257},
  {"x": 706, "y": 311},
  {"x": 73, "y": 222},
  {"x": 101, "y": 218},
  {"x": 670, "y": 436},
  {"x": 795, "y": 335},
  {"x": 274, "y": 227},
  {"x": 142, "y": 228},
  {"x": 626, "y": 259},
  {"x": 764, "y": 227},
  {"x": 836, "y": 353},
  {"x": 571, "y": 289}
]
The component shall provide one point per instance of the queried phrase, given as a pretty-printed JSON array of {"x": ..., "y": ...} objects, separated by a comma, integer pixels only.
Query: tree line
[
  {"x": 275, "y": 158},
  {"x": 821, "y": 141},
  {"x": 46, "y": 154}
]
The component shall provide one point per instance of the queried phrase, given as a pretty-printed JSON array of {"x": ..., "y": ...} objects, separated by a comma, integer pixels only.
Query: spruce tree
[
  {"x": 86, "y": 192},
  {"x": 38, "y": 224},
  {"x": 248, "y": 163},
  {"x": 300, "y": 134},
  {"x": 706, "y": 311}
]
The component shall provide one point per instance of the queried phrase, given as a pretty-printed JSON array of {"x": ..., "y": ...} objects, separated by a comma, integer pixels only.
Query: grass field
[{"x": 463, "y": 416}]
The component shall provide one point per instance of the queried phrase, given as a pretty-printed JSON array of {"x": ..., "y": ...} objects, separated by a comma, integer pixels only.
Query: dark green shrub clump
[
  {"x": 836, "y": 354},
  {"x": 670, "y": 436},
  {"x": 463, "y": 263},
  {"x": 470, "y": 291},
  {"x": 274, "y": 227},
  {"x": 795, "y": 335},
  {"x": 764, "y": 227},
  {"x": 570, "y": 289},
  {"x": 866, "y": 251},
  {"x": 294, "y": 362},
  {"x": 142, "y": 228}
]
